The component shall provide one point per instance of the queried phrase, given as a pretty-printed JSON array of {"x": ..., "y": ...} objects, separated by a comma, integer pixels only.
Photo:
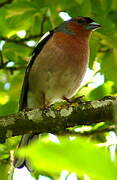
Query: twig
[
  {"x": 1, "y": 59},
  {"x": 5, "y": 2},
  {"x": 3, "y": 65},
  {"x": 12, "y": 69},
  {"x": 92, "y": 132}
]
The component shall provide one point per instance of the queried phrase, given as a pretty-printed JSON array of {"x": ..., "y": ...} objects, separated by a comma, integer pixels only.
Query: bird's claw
[{"x": 78, "y": 100}]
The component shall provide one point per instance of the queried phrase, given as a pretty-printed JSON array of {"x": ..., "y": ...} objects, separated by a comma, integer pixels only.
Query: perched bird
[{"x": 57, "y": 67}]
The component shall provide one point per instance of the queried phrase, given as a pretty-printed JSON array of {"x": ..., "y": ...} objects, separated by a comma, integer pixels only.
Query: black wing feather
[{"x": 25, "y": 86}]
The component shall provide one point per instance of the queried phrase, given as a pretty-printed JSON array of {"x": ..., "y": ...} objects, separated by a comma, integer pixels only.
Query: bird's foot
[
  {"x": 45, "y": 107},
  {"x": 67, "y": 99},
  {"x": 78, "y": 100}
]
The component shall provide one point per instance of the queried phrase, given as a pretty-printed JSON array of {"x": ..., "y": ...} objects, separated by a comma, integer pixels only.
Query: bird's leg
[
  {"x": 45, "y": 105},
  {"x": 67, "y": 99},
  {"x": 78, "y": 100}
]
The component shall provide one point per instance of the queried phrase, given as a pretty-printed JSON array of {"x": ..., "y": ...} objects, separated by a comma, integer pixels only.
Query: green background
[{"x": 36, "y": 17}]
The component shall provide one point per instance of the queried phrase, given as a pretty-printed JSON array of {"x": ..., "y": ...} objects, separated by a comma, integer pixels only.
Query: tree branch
[
  {"x": 22, "y": 40},
  {"x": 5, "y": 2},
  {"x": 56, "y": 121},
  {"x": 1, "y": 59}
]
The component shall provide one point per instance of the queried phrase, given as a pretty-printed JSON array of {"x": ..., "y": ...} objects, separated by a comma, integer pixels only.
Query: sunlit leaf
[
  {"x": 101, "y": 91},
  {"x": 4, "y": 98},
  {"x": 78, "y": 156},
  {"x": 109, "y": 66}
]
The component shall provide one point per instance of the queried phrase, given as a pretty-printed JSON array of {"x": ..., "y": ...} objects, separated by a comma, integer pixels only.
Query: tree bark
[{"x": 56, "y": 121}]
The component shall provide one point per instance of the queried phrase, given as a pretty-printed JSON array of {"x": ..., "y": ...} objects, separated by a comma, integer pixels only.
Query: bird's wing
[{"x": 25, "y": 86}]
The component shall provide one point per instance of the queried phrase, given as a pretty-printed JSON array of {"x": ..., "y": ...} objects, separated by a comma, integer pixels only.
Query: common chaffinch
[{"x": 57, "y": 67}]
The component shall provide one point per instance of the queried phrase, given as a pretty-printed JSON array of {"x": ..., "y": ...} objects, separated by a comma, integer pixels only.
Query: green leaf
[
  {"x": 109, "y": 66},
  {"x": 9, "y": 108},
  {"x": 4, "y": 168},
  {"x": 19, "y": 8},
  {"x": 101, "y": 91},
  {"x": 94, "y": 47},
  {"x": 5, "y": 151},
  {"x": 80, "y": 8},
  {"x": 79, "y": 155},
  {"x": 19, "y": 51},
  {"x": 3, "y": 25}
]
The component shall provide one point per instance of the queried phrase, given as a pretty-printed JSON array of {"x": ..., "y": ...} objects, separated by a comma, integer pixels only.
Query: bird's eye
[{"x": 81, "y": 20}]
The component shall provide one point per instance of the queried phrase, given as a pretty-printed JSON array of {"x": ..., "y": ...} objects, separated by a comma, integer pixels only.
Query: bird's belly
[
  {"x": 64, "y": 85},
  {"x": 55, "y": 83},
  {"x": 57, "y": 73}
]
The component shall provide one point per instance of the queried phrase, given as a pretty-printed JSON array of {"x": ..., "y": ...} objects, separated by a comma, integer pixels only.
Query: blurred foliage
[
  {"x": 73, "y": 155},
  {"x": 22, "y": 23}
]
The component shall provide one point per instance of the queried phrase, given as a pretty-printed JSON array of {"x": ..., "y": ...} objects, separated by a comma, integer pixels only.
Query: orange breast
[{"x": 59, "y": 68}]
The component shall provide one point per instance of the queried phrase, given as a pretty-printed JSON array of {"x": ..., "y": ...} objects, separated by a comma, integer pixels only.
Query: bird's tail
[{"x": 25, "y": 140}]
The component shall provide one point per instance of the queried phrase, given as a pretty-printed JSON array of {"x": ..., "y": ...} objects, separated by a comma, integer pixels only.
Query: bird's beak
[{"x": 93, "y": 26}]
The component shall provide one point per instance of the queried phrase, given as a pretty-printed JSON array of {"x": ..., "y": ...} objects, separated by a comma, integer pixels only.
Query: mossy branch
[{"x": 56, "y": 121}]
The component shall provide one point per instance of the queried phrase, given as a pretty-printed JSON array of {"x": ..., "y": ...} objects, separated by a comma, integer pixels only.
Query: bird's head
[{"x": 80, "y": 26}]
